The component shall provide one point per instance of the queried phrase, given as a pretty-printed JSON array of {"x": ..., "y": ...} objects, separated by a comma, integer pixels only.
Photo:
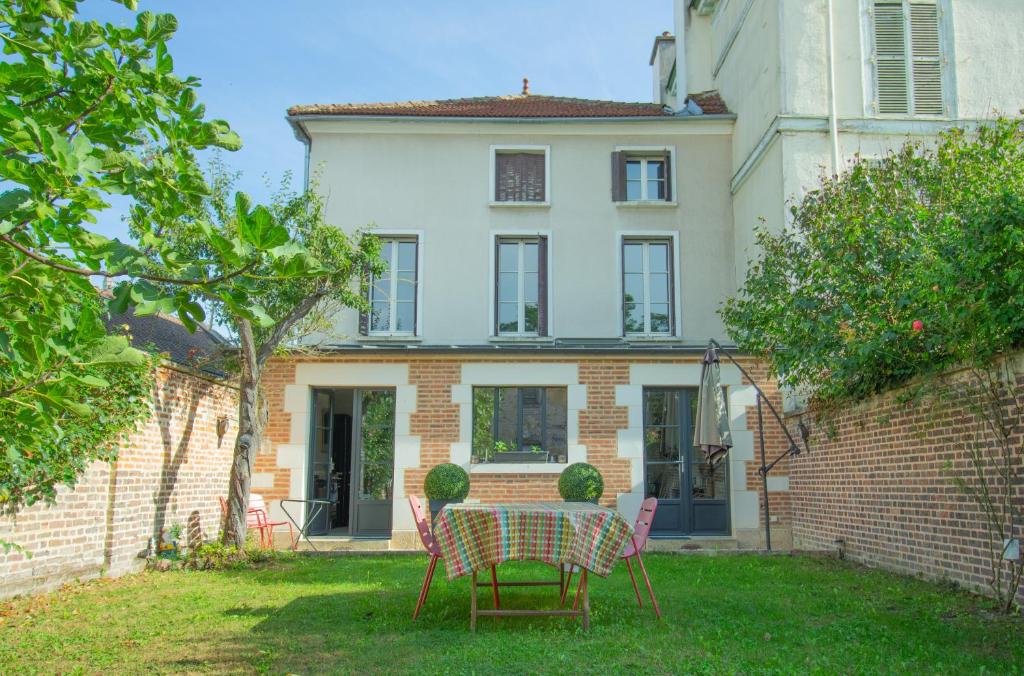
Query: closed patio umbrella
[{"x": 711, "y": 428}]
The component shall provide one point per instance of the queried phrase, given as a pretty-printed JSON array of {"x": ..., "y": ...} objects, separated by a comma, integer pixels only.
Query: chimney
[
  {"x": 681, "y": 10},
  {"x": 663, "y": 56}
]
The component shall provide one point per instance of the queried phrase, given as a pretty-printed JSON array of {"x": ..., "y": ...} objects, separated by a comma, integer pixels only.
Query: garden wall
[
  {"x": 168, "y": 472},
  {"x": 877, "y": 482}
]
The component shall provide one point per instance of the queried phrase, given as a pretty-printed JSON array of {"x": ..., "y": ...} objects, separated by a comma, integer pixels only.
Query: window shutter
[
  {"x": 497, "y": 276},
  {"x": 416, "y": 286},
  {"x": 519, "y": 177},
  {"x": 542, "y": 286},
  {"x": 927, "y": 59},
  {"x": 618, "y": 177},
  {"x": 364, "y": 317},
  {"x": 890, "y": 58},
  {"x": 668, "y": 177},
  {"x": 671, "y": 288}
]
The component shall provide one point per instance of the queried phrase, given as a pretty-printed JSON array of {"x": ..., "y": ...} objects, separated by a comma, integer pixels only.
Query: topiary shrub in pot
[
  {"x": 445, "y": 483},
  {"x": 580, "y": 482}
]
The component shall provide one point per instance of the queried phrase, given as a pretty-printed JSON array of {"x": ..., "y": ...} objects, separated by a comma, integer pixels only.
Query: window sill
[
  {"x": 647, "y": 204},
  {"x": 650, "y": 338},
  {"x": 517, "y": 467},
  {"x": 542, "y": 205},
  {"x": 521, "y": 339},
  {"x": 390, "y": 338}
]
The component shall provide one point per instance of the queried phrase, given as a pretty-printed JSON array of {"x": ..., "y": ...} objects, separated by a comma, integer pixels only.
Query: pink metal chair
[
  {"x": 430, "y": 544},
  {"x": 256, "y": 518},
  {"x": 636, "y": 544}
]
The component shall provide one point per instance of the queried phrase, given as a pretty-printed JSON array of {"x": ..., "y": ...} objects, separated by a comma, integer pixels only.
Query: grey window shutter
[
  {"x": 892, "y": 87},
  {"x": 542, "y": 286},
  {"x": 497, "y": 276},
  {"x": 671, "y": 286},
  {"x": 926, "y": 59},
  {"x": 519, "y": 177},
  {"x": 618, "y": 177},
  {"x": 668, "y": 178},
  {"x": 416, "y": 285}
]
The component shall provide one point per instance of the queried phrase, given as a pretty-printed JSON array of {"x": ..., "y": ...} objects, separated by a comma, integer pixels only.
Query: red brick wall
[
  {"x": 168, "y": 472},
  {"x": 877, "y": 481}
]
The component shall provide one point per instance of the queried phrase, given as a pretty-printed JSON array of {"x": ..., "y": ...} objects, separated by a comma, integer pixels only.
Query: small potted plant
[
  {"x": 446, "y": 483},
  {"x": 505, "y": 452},
  {"x": 580, "y": 482}
]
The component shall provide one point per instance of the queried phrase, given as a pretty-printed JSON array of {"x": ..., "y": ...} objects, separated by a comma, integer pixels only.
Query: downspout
[
  {"x": 302, "y": 135},
  {"x": 833, "y": 124}
]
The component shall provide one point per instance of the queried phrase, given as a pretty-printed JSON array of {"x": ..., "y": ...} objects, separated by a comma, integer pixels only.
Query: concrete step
[{"x": 693, "y": 544}]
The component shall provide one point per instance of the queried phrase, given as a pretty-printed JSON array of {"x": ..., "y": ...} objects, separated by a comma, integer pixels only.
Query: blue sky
[{"x": 257, "y": 58}]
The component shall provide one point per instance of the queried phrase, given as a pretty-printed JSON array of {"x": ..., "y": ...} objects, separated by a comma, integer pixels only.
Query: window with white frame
[
  {"x": 520, "y": 175},
  {"x": 392, "y": 294},
  {"x": 521, "y": 286},
  {"x": 642, "y": 176},
  {"x": 907, "y": 57},
  {"x": 647, "y": 286}
]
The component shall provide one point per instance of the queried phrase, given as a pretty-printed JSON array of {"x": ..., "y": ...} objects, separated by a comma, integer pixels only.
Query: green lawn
[{"x": 352, "y": 614}]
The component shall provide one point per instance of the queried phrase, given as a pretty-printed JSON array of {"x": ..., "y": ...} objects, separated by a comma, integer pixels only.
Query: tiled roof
[
  {"x": 520, "y": 105},
  {"x": 163, "y": 333}
]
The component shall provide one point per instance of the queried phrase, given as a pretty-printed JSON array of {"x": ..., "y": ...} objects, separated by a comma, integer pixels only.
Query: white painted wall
[{"x": 433, "y": 177}]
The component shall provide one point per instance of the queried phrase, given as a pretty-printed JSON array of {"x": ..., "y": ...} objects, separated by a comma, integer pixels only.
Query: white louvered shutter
[
  {"x": 927, "y": 59},
  {"x": 891, "y": 58}
]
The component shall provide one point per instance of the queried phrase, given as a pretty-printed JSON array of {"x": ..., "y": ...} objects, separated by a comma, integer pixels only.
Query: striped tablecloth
[{"x": 475, "y": 537}]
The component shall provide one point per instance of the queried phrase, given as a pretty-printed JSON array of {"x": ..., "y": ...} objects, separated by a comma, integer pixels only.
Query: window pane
[
  {"x": 530, "y": 315},
  {"x": 655, "y": 169},
  {"x": 381, "y": 289},
  {"x": 661, "y": 443},
  {"x": 659, "y": 318},
  {"x": 633, "y": 170},
  {"x": 483, "y": 422},
  {"x": 556, "y": 403},
  {"x": 508, "y": 257},
  {"x": 659, "y": 288},
  {"x": 407, "y": 256},
  {"x": 379, "y": 317},
  {"x": 530, "y": 256},
  {"x": 406, "y": 288},
  {"x": 663, "y": 481},
  {"x": 632, "y": 257},
  {"x": 658, "y": 252},
  {"x": 506, "y": 437},
  {"x": 530, "y": 287},
  {"x": 633, "y": 190},
  {"x": 508, "y": 317},
  {"x": 532, "y": 432},
  {"x": 655, "y": 189},
  {"x": 508, "y": 287},
  {"x": 662, "y": 407},
  {"x": 405, "y": 317},
  {"x": 385, "y": 253},
  {"x": 633, "y": 320},
  {"x": 633, "y": 291},
  {"x": 709, "y": 482}
]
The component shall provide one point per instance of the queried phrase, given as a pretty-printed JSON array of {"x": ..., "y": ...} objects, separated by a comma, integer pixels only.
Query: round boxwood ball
[
  {"x": 446, "y": 482},
  {"x": 580, "y": 482}
]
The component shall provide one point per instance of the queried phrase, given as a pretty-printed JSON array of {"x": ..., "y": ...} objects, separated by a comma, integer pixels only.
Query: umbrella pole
[{"x": 764, "y": 477}]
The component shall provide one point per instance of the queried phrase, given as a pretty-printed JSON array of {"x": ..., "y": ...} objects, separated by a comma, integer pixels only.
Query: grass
[{"x": 750, "y": 614}]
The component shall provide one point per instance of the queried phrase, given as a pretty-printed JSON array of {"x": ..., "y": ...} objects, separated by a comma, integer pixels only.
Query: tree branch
[{"x": 282, "y": 328}]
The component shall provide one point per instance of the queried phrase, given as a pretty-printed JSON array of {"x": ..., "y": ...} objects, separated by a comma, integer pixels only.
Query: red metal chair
[
  {"x": 430, "y": 544},
  {"x": 256, "y": 519},
  {"x": 636, "y": 544}
]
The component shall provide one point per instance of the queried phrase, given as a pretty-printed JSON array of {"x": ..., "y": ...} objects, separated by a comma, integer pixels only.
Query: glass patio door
[
  {"x": 320, "y": 467},
  {"x": 374, "y": 461},
  {"x": 692, "y": 497}
]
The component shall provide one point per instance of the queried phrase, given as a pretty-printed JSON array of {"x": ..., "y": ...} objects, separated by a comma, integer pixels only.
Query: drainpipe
[
  {"x": 833, "y": 126},
  {"x": 682, "y": 93}
]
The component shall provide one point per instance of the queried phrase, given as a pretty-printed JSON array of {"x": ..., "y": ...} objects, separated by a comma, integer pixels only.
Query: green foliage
[
  {"x": 581, "y": 482},
  {"x": 893, "y": 270},
  {"x": 378, "y": 454},
  {"x": 219, "y": 556},
  {"x": 446, "y": 481}
]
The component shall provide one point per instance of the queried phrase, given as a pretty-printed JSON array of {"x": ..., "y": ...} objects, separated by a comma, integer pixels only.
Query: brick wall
[
  {"x": 436, "y": 423},
  {"x": 876, "y": 480},
  {"x": 168, "y": 472}
]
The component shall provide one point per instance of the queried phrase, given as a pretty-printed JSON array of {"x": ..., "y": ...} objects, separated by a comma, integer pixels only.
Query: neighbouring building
[{"x": 555, "y": 264}]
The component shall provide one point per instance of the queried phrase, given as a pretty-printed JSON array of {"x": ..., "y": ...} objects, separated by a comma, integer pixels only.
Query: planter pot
[
  {"x": 519, "y": 456},
  {"x": 437, "y": 505}
]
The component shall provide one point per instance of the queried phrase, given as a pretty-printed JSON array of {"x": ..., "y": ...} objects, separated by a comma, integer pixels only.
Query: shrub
[
  {"x": 580, "y": 482},
  {"x": 893, "y": 270},
  {"x": 446, "y": 482}
]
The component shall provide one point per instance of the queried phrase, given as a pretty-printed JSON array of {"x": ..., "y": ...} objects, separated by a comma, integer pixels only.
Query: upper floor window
[
  {"x": 642, "y": 175},
  {"x": 519, "y": 175},
  {"x": 907, "y": 57},
  {"x": 393, "y": 293},
  {"x": 647, "y": 287},
  {"x": 521, "y": 286}
]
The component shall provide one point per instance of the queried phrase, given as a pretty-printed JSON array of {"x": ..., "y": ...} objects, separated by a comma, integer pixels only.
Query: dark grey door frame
[
  {"x": 695, "y": 515},
  {"x": 382, "y": 520},
  {"x": 314, "y": 436}
]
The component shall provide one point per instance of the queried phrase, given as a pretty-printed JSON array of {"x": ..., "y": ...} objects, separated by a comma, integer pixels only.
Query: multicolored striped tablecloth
[{"x": 475, "y": 537}]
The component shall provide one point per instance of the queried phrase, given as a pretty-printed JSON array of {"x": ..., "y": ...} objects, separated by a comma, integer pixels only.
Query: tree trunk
[{"x": 248, "y": 440}]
